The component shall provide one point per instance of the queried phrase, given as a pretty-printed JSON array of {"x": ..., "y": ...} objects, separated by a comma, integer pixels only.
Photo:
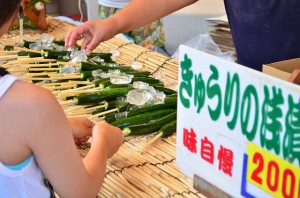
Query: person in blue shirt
[{"x": 263, "y": 31}]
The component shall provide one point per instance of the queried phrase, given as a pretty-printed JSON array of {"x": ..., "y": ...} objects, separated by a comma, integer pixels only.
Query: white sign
[{"x": 237, "y": 128}]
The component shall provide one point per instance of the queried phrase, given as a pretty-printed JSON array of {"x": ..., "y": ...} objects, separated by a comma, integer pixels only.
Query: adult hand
[
  {"x": 92, "y": 32},
  {"x": 81, "y": 129}
]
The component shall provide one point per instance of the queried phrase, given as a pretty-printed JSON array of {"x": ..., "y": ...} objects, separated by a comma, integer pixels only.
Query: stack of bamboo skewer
[{"x": 154, "y": 172}]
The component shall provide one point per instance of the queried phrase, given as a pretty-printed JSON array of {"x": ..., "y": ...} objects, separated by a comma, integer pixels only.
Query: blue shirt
[{"x": 264, "y": 31}]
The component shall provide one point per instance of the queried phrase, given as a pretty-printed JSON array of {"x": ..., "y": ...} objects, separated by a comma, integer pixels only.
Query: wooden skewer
[
  {"x": 64, "y": 77},
  {"x": 78, "y": 116},
  {"x": 33, "y": 60},
  {"x": 68, "y": 102},
  {"x": 44, "y": 69},
  {"x": 103, "y": 113},
  {"x": 29, "y": 50},
  {"x": 68, "y": 63},
  {"x": 39, "y": 65},
  {"x": 8, "y": 52},
  {"x": 84, "y": 111},
  {"x": 73, "y": 109},
  {"x": 150, "y": 142},
  {"x": 8, "y": 57}
]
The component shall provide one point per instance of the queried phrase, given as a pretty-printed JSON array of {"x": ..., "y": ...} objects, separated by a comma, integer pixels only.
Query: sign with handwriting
[{"x": 237, "y": 128}]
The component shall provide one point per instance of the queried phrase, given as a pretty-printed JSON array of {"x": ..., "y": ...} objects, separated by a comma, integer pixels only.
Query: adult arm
[{"x": 136, "y": 14}]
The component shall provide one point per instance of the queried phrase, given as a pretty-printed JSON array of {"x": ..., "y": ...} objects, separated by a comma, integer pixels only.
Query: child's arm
[
  {"x": 81, "y": 129},
  {"x": 45, "y": 130}
]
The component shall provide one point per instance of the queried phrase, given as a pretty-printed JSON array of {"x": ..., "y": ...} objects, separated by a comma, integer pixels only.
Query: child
[{"x": 37, "y": 139}]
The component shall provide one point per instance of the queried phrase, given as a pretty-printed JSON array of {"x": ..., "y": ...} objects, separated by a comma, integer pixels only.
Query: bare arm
[
  {"x": 136, "y": 14},
  {"x": 46, "y": 132},
  {"x": 142, "y": 12}
]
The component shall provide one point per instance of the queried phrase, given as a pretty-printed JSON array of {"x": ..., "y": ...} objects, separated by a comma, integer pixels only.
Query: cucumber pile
[{"x": 134, "y": 120}]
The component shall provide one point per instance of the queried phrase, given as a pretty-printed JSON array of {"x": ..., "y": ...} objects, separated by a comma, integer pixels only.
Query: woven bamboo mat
[{"x": 152, "y": 173}]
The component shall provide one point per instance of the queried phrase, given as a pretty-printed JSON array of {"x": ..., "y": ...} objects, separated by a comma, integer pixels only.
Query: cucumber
[
  {"x": 141, "y": 118},
  {"x": 97, "y": 82},
  {"x": 26, "y": 43},
  {"x": 167, "y": 91},
  {"x": 109, "y": 118},
  {"x": 168, "y": 129},
  {"x": 59, "y": 42},
  {"x": 84, "y": 66},
  {"x": 152, "y": 126},
  {"x": 111, "y": 105},
  {"x": 108, "y": 105},
  {"x": 9, "y": 48},
  {"x": 105, "y": 94},
  {"x": 86, "y": 75},
  {"x": 104, "y": 83},
  {"x": 105, "y": 56},
  {"x": 169, "y": 103},
  {"x": 139, "y": 73},
  {"x": 33, "y": 54},
  {"x": 23, "y": 53},
  {"x": 148, "y": 80},
  {"x": 53, "y": 54},
  {"x": 119, "y": 86}
]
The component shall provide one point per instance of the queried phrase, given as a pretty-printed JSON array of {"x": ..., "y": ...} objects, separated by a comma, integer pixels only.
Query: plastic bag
[{"x": 205, "y": 43}]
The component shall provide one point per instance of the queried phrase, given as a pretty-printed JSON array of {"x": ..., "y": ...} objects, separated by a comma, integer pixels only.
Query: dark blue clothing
[{"x": 264, "y": 31}]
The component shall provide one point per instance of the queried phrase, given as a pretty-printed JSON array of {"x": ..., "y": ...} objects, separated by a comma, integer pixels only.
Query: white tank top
[
  {"x": 25, "y": 179},
  {"x": 114, "y": 3}
]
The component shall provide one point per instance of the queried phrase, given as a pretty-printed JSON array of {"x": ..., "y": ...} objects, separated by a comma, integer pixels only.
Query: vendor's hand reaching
[
  {"x": 92, "y": 32},
  {"x": 81, "y": 129}
]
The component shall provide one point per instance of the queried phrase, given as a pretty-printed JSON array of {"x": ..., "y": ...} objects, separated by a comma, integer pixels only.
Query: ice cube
[
  {"x": 138, "y": 97},
  {"x": 158, "y": 98},
  {"x": 136, "y": 65},
  {"x": 121, "y": 115},
  {"x": 35, "y": 46},
  {"x": 67, "y": 69},
  {"x": 97, "y": 72},
  {"x": 120, "y": 79},
  {"x": 115, "y": 52},
  {"x": 140, "y": 85},
  {"x": 78, "y": 56}
]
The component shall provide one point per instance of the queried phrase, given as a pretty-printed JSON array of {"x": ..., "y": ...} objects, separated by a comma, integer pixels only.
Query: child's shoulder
[{"x": 26, "y": 96}]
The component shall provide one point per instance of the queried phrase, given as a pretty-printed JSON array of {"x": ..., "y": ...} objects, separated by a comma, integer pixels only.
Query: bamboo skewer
[
  {"x": 29, "y": 50},
  {"x": 45, "y": 65},
  {"x": 68, "y": 63},
  {"x": 68, "y": 102},
  {"x": 44, "y": 69},
  {"x": 150, "y": 142},
  {"x": 8, "y": 57},
  {"x": 103, "y": 113},
  {"x": 85, "y": 111}
]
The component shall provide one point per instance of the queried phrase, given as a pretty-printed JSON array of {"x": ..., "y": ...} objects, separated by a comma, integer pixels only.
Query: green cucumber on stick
[
  {"x": 151, "y": 127},
  {"x": 105, "y": 94},
  {"x": 141, "y": 118}
]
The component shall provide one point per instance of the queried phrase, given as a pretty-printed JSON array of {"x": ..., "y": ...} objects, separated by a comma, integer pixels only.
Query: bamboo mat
[{"x": 154, "y": 172}]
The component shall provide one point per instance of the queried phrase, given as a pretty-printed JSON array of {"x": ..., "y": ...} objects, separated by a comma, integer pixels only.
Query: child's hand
[
  {"x": 81, "y": 129},
  {"x": 109, "y": 135}
]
